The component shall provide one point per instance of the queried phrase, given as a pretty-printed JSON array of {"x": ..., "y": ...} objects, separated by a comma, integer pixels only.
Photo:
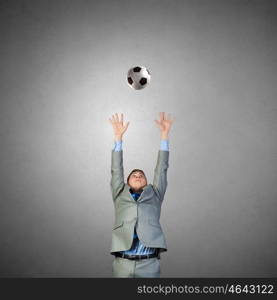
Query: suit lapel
[{"x": 145, "y": 192}]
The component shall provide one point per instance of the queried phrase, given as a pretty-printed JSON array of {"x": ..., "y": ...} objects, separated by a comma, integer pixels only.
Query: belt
[{"x": 136, "y": 257}]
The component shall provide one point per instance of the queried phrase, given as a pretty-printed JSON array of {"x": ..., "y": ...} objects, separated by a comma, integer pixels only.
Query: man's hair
[{"x": 135, "y": 170}]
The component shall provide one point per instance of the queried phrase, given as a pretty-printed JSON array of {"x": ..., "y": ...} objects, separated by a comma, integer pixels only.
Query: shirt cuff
[
  {"x": 117, "y": 146},
  {"x": 164, "y": 145}
]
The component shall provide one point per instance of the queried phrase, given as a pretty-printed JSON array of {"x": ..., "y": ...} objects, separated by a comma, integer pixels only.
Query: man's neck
[{"x": 136, "y": 191}]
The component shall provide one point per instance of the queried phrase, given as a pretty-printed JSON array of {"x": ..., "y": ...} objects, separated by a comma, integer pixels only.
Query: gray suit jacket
[{"x": 144, "y": 214}]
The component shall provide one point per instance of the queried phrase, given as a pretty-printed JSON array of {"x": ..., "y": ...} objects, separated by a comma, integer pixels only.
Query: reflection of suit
[{"x": 144, "y": 214}]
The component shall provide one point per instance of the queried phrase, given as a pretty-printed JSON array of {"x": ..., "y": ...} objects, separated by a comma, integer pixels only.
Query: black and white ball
[{"x": 138, "y": 77}]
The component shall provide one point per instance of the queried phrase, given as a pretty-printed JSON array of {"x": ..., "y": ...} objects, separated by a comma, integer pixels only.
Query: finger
[
  {"x": 116, "y": 117},
  {"x": 121, "y": 118},
  {"x": 113, "y": 118},
  {"x": 157, "y": 122},
  {"x": 126, "y": 126},
  {"x": 161, "y": 116}
]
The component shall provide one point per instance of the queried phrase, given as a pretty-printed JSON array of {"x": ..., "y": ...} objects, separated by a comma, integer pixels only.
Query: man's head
[{"x": 137, "y": 180}]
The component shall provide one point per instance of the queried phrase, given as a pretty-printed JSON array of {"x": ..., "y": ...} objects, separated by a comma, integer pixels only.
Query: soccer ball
[{"x": 138, "y": 77}]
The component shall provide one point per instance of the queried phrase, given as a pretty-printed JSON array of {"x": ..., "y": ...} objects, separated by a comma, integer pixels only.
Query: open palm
[
  {"x": 165, "y": 122},
  {"x": 118, "y": 127}
]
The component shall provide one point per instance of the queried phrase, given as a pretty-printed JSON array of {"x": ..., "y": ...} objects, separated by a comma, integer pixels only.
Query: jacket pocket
[
  {"x": 117, "y": 225},
  {"x": 154, "y": 222}
]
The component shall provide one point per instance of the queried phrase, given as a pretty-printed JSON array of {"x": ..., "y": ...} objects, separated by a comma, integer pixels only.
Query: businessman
[{"x": 137, "y": 237}]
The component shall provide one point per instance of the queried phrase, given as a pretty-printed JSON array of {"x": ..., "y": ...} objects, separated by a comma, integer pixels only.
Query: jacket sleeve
[
  {"x": 117, "y": 172},
  {"x": 160, "y": 174}
]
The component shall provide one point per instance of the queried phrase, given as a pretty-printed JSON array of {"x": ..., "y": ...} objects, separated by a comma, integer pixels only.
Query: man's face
[{"x": 137, "y": 181}]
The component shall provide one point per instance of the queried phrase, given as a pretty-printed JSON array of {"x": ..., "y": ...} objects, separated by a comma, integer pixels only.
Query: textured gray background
[{"x": 63, "y": 69}]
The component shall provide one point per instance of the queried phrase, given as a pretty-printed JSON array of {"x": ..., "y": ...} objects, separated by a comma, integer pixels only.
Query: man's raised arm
[
  {"x": 160, "y": 173},
  {"x": 117, "y": 171}
]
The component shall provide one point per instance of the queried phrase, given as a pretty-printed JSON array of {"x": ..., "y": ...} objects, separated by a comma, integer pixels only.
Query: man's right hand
[{"x": 118, "y": 127}]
